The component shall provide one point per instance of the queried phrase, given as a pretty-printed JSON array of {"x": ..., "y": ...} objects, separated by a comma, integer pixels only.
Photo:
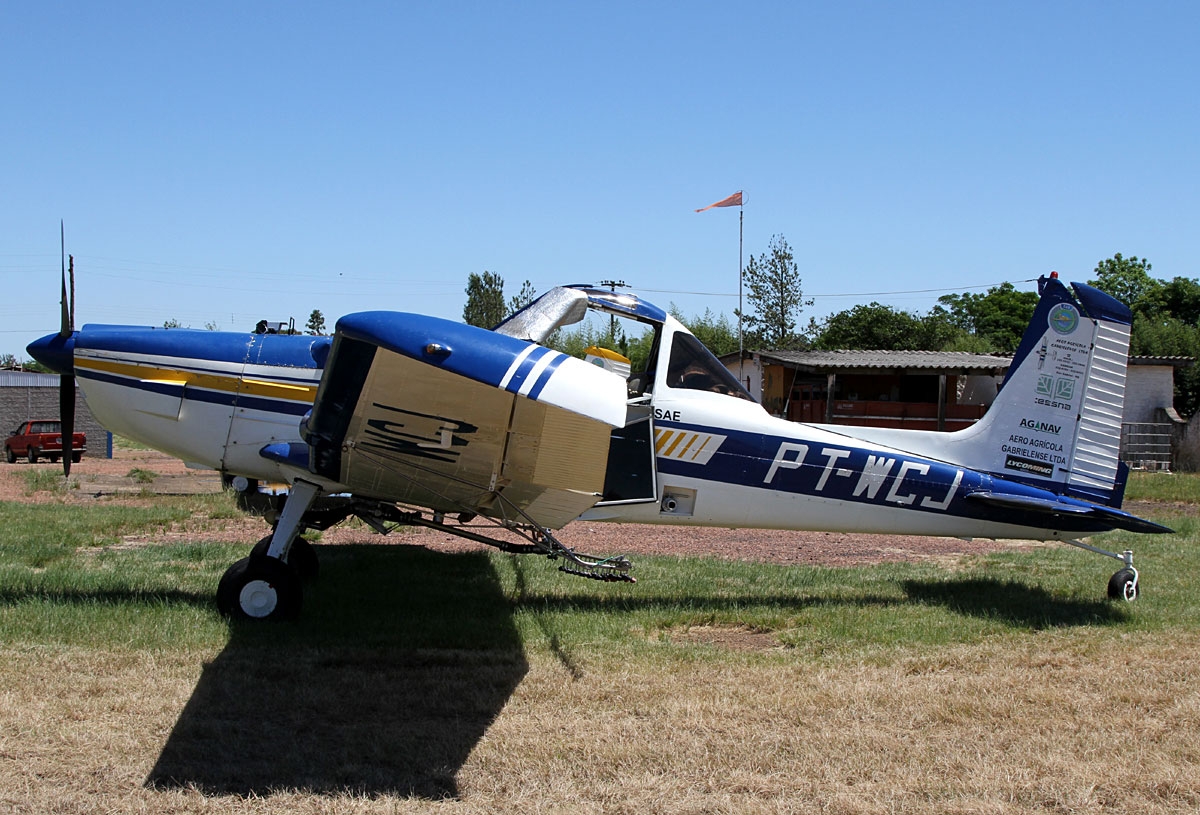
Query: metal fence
[{"x": 1146, "y": 445}]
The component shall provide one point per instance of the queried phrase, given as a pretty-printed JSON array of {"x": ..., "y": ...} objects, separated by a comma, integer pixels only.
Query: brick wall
[{"x": 21, "y": 402}]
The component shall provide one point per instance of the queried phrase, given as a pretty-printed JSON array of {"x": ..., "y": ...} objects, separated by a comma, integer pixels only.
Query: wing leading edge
[{"x": 454, "y": 418}]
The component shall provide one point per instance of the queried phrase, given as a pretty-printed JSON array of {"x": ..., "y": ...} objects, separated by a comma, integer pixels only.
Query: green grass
[
  {"x": 124, "y": 443},
  {"x": 141, "y": 476},
  {"x": 1000, "y": 683},
  {"x": 1158, "y": 486},
  {"x": 44, "y": 480},
  {"x": 67, "y": 576}
]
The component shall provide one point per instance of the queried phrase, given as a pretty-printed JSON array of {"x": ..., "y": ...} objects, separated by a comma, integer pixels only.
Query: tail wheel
[
  {"x": 260, "y": 589},
  {"x": 1123, "y": 585}
]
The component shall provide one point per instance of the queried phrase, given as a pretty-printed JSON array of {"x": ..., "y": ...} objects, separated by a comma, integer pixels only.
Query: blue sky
[{"x": 228, "y": 162}]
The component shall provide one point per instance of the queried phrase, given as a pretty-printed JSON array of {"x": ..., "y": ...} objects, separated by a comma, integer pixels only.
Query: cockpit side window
[{"x": 693, "y": 367}]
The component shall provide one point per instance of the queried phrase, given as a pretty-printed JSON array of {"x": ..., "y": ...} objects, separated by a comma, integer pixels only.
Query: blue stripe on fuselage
[
  {"x": 858, "y": 475},
  {"x": 525, "y": 369},
  {"x": 536, "y": 391},
  {"x": 833, "y": 471}
]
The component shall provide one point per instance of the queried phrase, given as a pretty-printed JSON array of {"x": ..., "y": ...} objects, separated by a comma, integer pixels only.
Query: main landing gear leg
[
  {"x": 1123, "y": 585},
  {"x": 264, "y": 586}
]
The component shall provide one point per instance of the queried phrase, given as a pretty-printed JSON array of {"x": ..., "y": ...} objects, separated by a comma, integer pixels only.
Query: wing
[{"x": 454, "y": 418}]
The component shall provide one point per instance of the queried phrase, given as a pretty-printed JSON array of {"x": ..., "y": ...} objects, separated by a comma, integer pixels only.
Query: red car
[{"x": 41, "y": 437}]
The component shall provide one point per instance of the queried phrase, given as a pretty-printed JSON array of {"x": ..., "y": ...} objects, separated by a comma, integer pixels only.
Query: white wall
[
  {"x": 751, "y": 370},
  {"x": 1147, "y": 387}
]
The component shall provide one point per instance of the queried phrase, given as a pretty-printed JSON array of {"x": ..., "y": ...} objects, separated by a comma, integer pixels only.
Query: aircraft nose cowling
[{"x": 55, "y": 351}]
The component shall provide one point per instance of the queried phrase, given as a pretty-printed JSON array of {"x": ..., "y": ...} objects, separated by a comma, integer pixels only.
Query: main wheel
[
  {"x": 1123, "y": 585},
  {"x": 302, "y": 557},
  {"x": 32, "y": 455},
  {"x": 259, "y": 589}
]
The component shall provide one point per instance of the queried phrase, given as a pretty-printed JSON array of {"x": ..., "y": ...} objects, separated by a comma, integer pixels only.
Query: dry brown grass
[{"x": 1079, "y": 722}]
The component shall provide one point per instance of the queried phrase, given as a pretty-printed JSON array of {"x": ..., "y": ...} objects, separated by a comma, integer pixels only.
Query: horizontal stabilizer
[
  {"x": 1030, "y": 503},
  {"x": 1050, "y": 506}
]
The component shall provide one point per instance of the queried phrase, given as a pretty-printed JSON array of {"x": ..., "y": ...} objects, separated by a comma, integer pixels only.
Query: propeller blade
[
  {"x": 66, "y": 326},
  {"x": 66, "y": 413},
  {"x": 66, "y": 382}
]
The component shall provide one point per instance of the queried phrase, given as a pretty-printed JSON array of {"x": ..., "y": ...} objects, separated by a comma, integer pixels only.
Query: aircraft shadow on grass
[
  {"x": 406, "y": 656},
  {"x": 1017, "y": 604},
  {"x": 385, "y": 685}
]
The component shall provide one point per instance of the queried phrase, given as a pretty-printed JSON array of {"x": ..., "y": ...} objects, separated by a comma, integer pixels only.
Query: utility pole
[{"x": 612, "y": 318}]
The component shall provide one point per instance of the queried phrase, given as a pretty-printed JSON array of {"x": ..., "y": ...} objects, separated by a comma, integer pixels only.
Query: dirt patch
[
  {"x": 127, "y": 473},
  {"x": 736, "y": 638}
]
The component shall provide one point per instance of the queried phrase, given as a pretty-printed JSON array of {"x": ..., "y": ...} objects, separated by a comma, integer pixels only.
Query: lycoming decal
[{"x": 1025, "y": 465}]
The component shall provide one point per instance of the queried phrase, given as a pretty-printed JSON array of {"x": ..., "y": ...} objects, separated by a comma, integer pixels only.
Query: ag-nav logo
[
  {"x": 1064, "y": 318},
  {"x": 1040, "y": 426}
]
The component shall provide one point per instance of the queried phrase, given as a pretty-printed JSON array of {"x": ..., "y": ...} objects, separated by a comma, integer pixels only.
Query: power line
[{"x": 847, "y": 294}]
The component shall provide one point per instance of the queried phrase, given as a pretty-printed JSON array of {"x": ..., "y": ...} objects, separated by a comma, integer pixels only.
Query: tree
[
  {"x": 485, "y": 300},
  {"x": 998, "y": 317},
  {"x": 715, "y": 331},
  {"x": 1166, "y": 318},
  {"x": 524, "y": 297},
  {"x": 8, "y": 361},
  {"x": 1180, "y": 298},
  {"x": 877, "y": 327},
  {"x": 172, "y": 323},
  {"x": 1127, "y": 279},
  {"x": 871, "y": 327},
  {"x": 776, "y": 295},
  {"x": 316, "y": 323}
]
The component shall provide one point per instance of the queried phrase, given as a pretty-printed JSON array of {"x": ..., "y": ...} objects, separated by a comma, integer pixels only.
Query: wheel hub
[{"x": 258, "y": 599}]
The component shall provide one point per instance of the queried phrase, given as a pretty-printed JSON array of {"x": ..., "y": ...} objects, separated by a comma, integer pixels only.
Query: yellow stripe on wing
[{"x": 227, "y": 383}]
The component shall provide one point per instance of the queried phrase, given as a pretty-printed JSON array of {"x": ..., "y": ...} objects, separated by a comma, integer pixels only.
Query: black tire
[
  {"x": 1124, "y": 586},
  {"x": 302, "y": 557},
  {"x": 75, "y": 457},
  {"x": 32, "y": 455},
  {"x": 263, "y": 589},
  {"x": 53, "y": 458},
  {"x": 9, "y": 455}
]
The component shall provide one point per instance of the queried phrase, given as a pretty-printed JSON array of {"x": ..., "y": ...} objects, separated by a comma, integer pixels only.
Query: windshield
[{"x": 693, "y": 367}]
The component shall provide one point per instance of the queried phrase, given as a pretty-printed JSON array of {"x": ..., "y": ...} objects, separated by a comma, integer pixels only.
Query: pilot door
[{"x": 630, "y": 477}]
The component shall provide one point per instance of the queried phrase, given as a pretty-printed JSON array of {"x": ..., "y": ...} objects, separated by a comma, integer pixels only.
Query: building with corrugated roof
[
  {"x": 931, "y": 390},
  {"x": 946, "y": 390}
]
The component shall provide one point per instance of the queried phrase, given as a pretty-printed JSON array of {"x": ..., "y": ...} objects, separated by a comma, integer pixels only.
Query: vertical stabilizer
[{"x": 1056, "y": 422}]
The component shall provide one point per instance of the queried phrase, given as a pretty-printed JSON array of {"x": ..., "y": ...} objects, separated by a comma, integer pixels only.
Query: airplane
[{"x": 405, "y": 419}]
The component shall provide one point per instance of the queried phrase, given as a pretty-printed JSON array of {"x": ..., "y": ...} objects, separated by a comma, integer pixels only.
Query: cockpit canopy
[{"x": 690, "y": 366}]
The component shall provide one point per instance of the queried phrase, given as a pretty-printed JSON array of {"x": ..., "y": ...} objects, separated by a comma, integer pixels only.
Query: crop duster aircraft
[{"x": 409, "y": 419}]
